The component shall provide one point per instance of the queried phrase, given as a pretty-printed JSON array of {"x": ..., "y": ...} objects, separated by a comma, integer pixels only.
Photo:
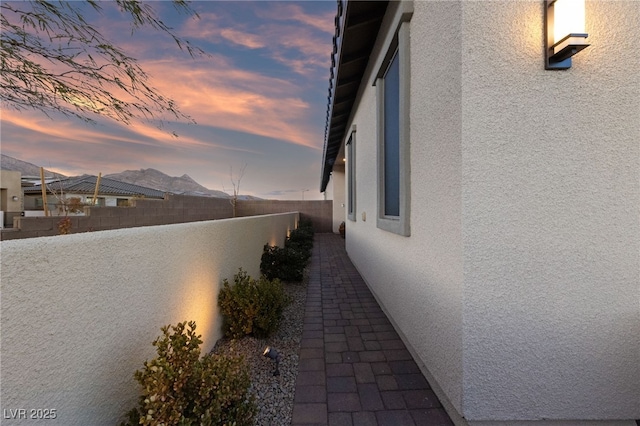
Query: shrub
[
  {"x": 301, "y": 240},
  {"x": 305, "y": 223},
  {"x": 250, "y": 306},
  {"x": 64, "y": 226},
  {"x": 75, "y": 205},
  {"x": 286, "y": 263},
  {"x": 303, "y": 235},
  {"x": 179, "y": 388}
]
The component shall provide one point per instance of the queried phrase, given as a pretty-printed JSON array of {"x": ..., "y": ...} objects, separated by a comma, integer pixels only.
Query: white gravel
[{"x": 274, "y": 394}]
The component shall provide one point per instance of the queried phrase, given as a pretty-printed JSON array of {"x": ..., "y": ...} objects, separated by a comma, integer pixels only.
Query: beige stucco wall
[
  {"x": 10, "y": 186},
  {"x": 551, "y": 164},
  {"x": 79, "y": 312},
  {"x": 519, "y": 287},
  {"x": 339, "y": 190},
  {"x": 418, "y": 279}
]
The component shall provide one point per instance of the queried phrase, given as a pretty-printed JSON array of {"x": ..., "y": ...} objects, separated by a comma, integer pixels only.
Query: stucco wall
[
  {"x": 551, "y": 164},
  {"x": 9, "y": 188},
  {"x": 418, "y": 279},
  {"x": 519, "y": 287},
  {"x": 339, "y": 190},
  {"x": 79, "y": 312}
]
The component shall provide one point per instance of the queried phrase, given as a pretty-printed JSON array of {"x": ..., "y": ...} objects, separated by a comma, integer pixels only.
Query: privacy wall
[
  {"x": 518, "y": 289},
  {"x": 173, "y": 209},
  {"x": 79, "y": 312}
]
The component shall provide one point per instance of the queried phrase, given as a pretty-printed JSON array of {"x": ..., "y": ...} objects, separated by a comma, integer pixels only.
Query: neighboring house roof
[
  {"x": 87, "y": 185},
  {"x": 357, "y": 25}
]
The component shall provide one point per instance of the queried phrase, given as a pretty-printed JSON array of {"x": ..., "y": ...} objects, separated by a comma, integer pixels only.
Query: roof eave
[{"x": 357, "y": 24}]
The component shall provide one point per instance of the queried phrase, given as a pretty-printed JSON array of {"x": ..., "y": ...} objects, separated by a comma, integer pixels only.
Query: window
[
  {"x": 100, "y": 201},
  {"x": 351, "y": 176},
  {"x": 393, "y": 136}
]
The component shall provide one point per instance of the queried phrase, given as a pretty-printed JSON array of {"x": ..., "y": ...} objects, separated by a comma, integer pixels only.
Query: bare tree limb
[
  {"x": 235, "y": 181},
  {"x": 53, "y": 59}
]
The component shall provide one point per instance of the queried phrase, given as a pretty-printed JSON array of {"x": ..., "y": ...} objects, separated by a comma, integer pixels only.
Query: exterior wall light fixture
[
  {"x": 270, "y": 352},
  {"x": 564, "y": 33},
  {"x": 14, "y": 198}
]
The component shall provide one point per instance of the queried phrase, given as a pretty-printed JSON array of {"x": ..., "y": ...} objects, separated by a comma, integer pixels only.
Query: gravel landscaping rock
[{"x": 274, "y": 394}]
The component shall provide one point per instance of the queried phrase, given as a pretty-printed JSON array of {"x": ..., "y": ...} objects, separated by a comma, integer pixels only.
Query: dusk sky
[{"x": 259, "y": 98}]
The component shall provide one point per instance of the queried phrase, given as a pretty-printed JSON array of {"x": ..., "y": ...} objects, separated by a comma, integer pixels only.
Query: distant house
[
  {"x": 492, "y": 205},
  {"x": 10, "y": 196},
  {"x": 81, "y": 190}
]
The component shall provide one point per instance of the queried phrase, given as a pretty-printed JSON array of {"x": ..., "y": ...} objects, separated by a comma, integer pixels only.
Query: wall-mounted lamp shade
[
  {"x": 565, "y": 32},
  {"x": 14, "y": 198}
]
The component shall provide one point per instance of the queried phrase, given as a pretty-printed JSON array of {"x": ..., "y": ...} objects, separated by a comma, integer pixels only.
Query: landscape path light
[
  {"x": 565, "y": 33},
  {"x": 270, "y": 352}
]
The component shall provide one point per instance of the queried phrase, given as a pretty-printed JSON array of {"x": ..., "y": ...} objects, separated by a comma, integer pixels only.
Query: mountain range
[
  {"x": 149, "y": 178},
  {"x": 155, "y": 179},
  {"x": 27, "y": 169}
]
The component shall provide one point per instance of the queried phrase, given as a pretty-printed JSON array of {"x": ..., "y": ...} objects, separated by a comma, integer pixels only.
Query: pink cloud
[
  {"x": 205, "y": 28},
  {"x": 243, "y": 39},
  {"x": 36, "y": 123},
  {"x": 294, "y": 12},
  {"x": 214, "y": 93},
  {"x": 70, "y": 146},
  {"x": 303, "y": 53},
  {"x": 236, "y": 100},
  {"x": 299, "y": 47}
]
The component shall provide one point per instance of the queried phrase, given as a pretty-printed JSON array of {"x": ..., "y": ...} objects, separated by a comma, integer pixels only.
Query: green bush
[
  {"x": 250, "y": 306},
  {"x": 180, "y": 388},
  {"x": 283, "y": 263},
  {"x": 305, "y": 223},
  {"x": 288, "y": 263},
  {"x": 301, "y": 240},
  {"x": 303, "y": 235}
]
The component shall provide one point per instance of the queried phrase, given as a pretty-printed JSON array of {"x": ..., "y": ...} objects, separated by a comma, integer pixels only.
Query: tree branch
[{"x": 53, "y": 60}]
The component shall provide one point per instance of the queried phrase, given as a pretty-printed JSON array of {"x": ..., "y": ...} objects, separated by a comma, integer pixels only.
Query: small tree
[
  {"x": 235, "y": 181},
  {"x": 75, "y": 205},
  {"x": 65, "y": 204}
]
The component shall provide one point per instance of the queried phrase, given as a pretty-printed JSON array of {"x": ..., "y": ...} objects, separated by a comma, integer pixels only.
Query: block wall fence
[
  {"x": 79, "y": 312},
  {"x": 173, "y": 209},
  {"x": 320, "y": 212}
]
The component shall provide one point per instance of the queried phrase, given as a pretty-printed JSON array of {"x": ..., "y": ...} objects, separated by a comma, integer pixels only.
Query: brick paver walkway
[{"x": 354, "y": 369}]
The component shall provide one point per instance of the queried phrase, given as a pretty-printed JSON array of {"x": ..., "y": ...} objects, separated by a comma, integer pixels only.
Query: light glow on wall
[{"x": 200, "y": 303}]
